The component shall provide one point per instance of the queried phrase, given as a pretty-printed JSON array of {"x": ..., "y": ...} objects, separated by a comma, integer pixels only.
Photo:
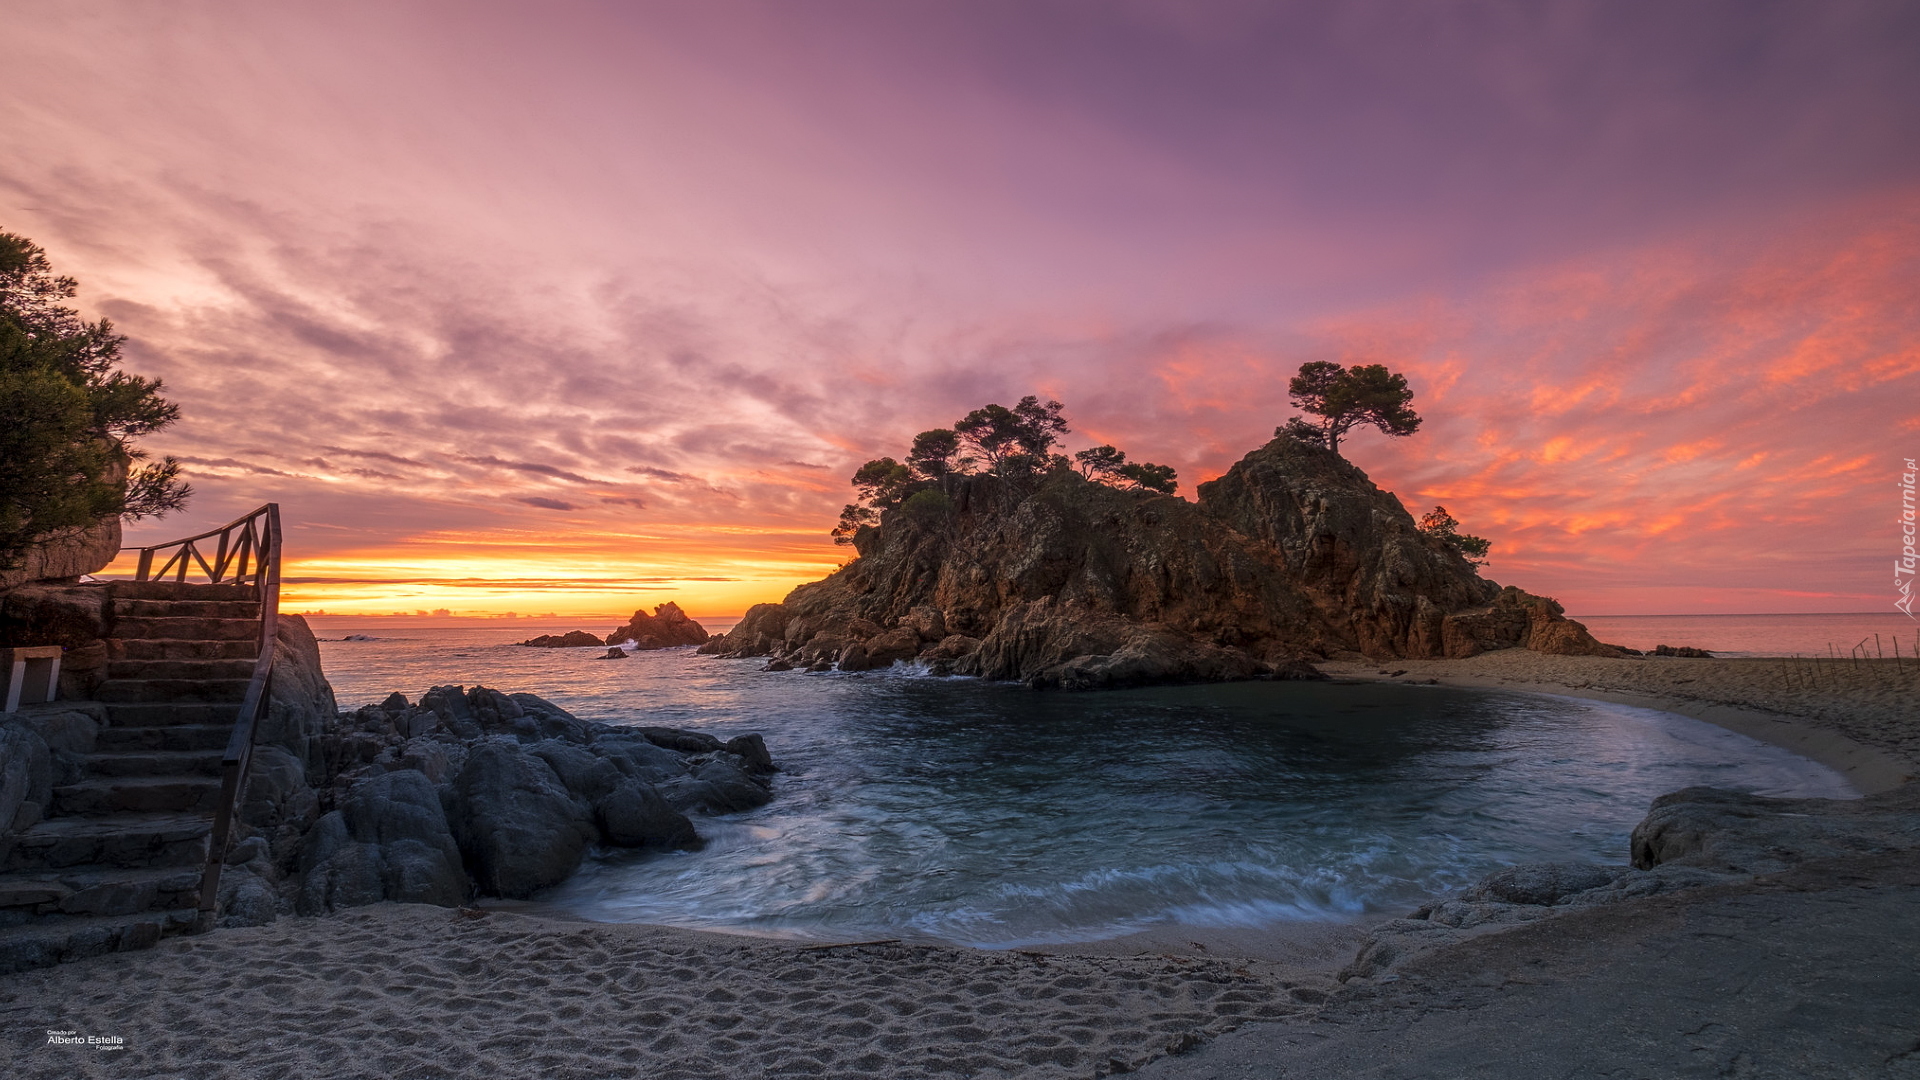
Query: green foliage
[
  {"x": 928, "y": 506},
  {"x": 1149, "y": 477},
  {"x": 936, "y": 454},
  {"x": 1345, "y": 398},
  {"x": 1013, "y": 441},
  {"x": 1014, "y": 444},
  {"x": 883, "y": 482},
  {"x": 1100, "y": 461},
  {"x": 1442, "y": 527},
  {"x": 68, "y": 415},
  {"x": 853, "y": 518}
]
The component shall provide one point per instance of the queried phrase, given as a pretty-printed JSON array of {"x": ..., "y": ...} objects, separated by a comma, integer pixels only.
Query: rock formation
[
  {"x": 667, "y": 627},
  {"x": 1062, "y": 582},
  {"x": 572, "y": 639}
]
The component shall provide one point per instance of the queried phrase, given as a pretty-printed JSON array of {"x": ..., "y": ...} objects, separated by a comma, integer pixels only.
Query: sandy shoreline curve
[{"x": 1862, "y": 721}]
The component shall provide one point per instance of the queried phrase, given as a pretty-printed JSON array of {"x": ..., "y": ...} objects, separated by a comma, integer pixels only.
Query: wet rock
[
  {"x": 518, "y": 827},
  {"x": 752, "y": 751},
  {"x": 634, "y": 814},
  {"x": 616, "y": 653}
]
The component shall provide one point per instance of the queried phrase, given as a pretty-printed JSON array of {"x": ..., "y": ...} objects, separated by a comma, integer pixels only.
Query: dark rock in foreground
[
  {"x": 1692, "y": 838},
  {"x": 1293, "y": 555},
  {"x": 469, "y": 791},
  {"x": 666, "y": 628}
]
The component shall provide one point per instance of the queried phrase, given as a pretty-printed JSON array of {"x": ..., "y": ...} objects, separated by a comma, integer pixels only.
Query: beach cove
[{"x": 412, "y": 990}]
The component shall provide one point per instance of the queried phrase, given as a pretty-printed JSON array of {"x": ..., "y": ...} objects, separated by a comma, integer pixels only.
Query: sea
[{"x": 986, "y": 814}]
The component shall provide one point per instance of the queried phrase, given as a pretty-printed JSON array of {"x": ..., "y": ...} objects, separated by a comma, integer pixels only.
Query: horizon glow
[{"x": 584, "y": 307}]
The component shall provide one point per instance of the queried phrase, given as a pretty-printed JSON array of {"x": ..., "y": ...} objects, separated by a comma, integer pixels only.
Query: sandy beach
[
  {"x": 415, "y": 991},
  {"x": 1860, "y": 719},
  {"x": 418, "y": 991}
]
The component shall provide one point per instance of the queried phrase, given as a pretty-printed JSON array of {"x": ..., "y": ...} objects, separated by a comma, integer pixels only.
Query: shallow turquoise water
[{"x": 989, "y": 814}]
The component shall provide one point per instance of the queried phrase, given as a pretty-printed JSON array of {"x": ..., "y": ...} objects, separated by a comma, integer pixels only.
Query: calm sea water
[
  {"x": 988, "y": 814},
  {"x": 1761, "y": 635}
]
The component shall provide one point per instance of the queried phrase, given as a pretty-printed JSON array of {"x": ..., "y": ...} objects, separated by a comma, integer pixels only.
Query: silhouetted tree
[
  {"x": 883, "y": 482},
  {"x": 1147, "y": 476},
  {"x": 1345, "y": 398},
  {"x": 1442, "y": 527},
  {"x": 1100, "y": 461},
  {"x": 68, "y": 416},
  {"x": 936, "y": 454},
  {"x": 1016, "y": 440}
]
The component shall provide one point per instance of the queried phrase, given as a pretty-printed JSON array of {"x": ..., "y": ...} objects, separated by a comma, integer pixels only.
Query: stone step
[
  {"x": 186, "y": 609},
  {"x": 168, "y": 590},
  {"x": 94, "y": 890},
  {"x": 170, "y": 839},
  {"x": 180, "y": 763},
  {"x": 46, "y": 942},
  {"x": 187, "y": 628},
  {"x": 182, "y": 649},
  {"x": 178, "y": 737},
  {"x": 196, "y": 670},
  {"x": 125, "y": 714},
  {"x": 137, "y": 794},
  {"x": 158, "y": 691}
]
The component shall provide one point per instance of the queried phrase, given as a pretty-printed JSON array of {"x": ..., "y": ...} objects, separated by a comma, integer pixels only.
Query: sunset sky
[{"x": 581, "y": 306}]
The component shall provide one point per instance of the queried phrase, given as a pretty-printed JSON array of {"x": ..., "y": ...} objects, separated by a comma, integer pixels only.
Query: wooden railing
[
  {"x": 241, "y": 557},
  {"x": 248, "y": 553}
]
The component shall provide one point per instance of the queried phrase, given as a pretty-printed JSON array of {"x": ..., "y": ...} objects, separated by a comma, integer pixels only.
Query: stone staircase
[{"x": 116, "y": 863}]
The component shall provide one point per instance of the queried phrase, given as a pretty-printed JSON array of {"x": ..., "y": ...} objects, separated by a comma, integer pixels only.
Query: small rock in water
[
  {"x": 359, "y": 637},
  {"x": 615, "y": 653},
  {"x": 1687, "y": 651}
]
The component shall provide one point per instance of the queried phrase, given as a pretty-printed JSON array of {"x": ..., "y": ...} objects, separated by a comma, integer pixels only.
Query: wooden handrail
[
  {"x": 241, "y": 550},
  {"x": 250, "y": 548}
]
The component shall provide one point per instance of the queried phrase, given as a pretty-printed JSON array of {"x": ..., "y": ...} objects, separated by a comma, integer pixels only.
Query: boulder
[
  {"x": 752, "y": 752},
  {"x": 667, "y": 627},
  {"x": 26, "y": 777},
  {"x": 65, "y": 554},
  {"x": 634, "y": 755},
  {"x": 730, "y": 789},
  {"x": 69, "y": 615},
  {"x": 616, "y": 653},
  {"x": 900, "y": 643},
  {"x": 1727, "y": 831},
  {"x": 518, "y": 827},
  {"x": 634, "y": 814},
  {"x": 926, "y": 622},
  {"x": 400, "y": 814}
]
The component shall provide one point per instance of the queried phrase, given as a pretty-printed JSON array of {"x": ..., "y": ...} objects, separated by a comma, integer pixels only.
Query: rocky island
[
  {"x": 668, "y": 627},
  {"x": 1059, "y": 580}
]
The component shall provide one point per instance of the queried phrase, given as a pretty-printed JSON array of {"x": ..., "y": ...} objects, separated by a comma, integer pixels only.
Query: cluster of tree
[
  {"x": 1014, "y": 444},
  {"x": 68, "y": 415},
  {"x": 1442, "y": 527},
  {"x": 1345, "y": 398}
]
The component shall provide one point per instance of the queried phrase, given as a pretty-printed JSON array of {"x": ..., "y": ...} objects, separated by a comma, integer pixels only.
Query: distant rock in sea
[
  {"x": 666, "y": 628},
  {"x": 1687, "y": 651},
  {"x": 616, "y": 653},
  {"x": 359, "y": 637},
  {"x": 1058, "y": 581},
  {"x": 572, "y": 639}
]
